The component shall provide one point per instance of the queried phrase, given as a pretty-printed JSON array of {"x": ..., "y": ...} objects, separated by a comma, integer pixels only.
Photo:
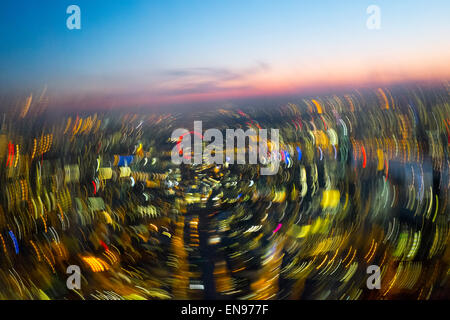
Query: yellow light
[{"x": 330, "y": 198}]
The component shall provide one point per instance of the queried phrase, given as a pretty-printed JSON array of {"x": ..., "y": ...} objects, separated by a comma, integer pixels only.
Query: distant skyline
[{"x": 152, "y": 53}]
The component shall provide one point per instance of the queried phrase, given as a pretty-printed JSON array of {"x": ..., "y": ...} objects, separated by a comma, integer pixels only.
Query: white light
[{"x": 197, "y": 286}]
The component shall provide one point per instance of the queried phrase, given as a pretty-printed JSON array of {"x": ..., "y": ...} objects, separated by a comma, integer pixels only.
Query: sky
[{"x": 154, "y": 53}]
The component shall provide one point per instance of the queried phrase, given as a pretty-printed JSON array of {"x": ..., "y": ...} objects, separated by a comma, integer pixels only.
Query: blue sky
[{"x": 147, "y": 51}]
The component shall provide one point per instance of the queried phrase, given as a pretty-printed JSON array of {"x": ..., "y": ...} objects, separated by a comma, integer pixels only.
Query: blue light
[
  {"x": 286, "y": 157},
  {"x": 16, "y": 245},
  {"x": 299, "y": 153}
]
